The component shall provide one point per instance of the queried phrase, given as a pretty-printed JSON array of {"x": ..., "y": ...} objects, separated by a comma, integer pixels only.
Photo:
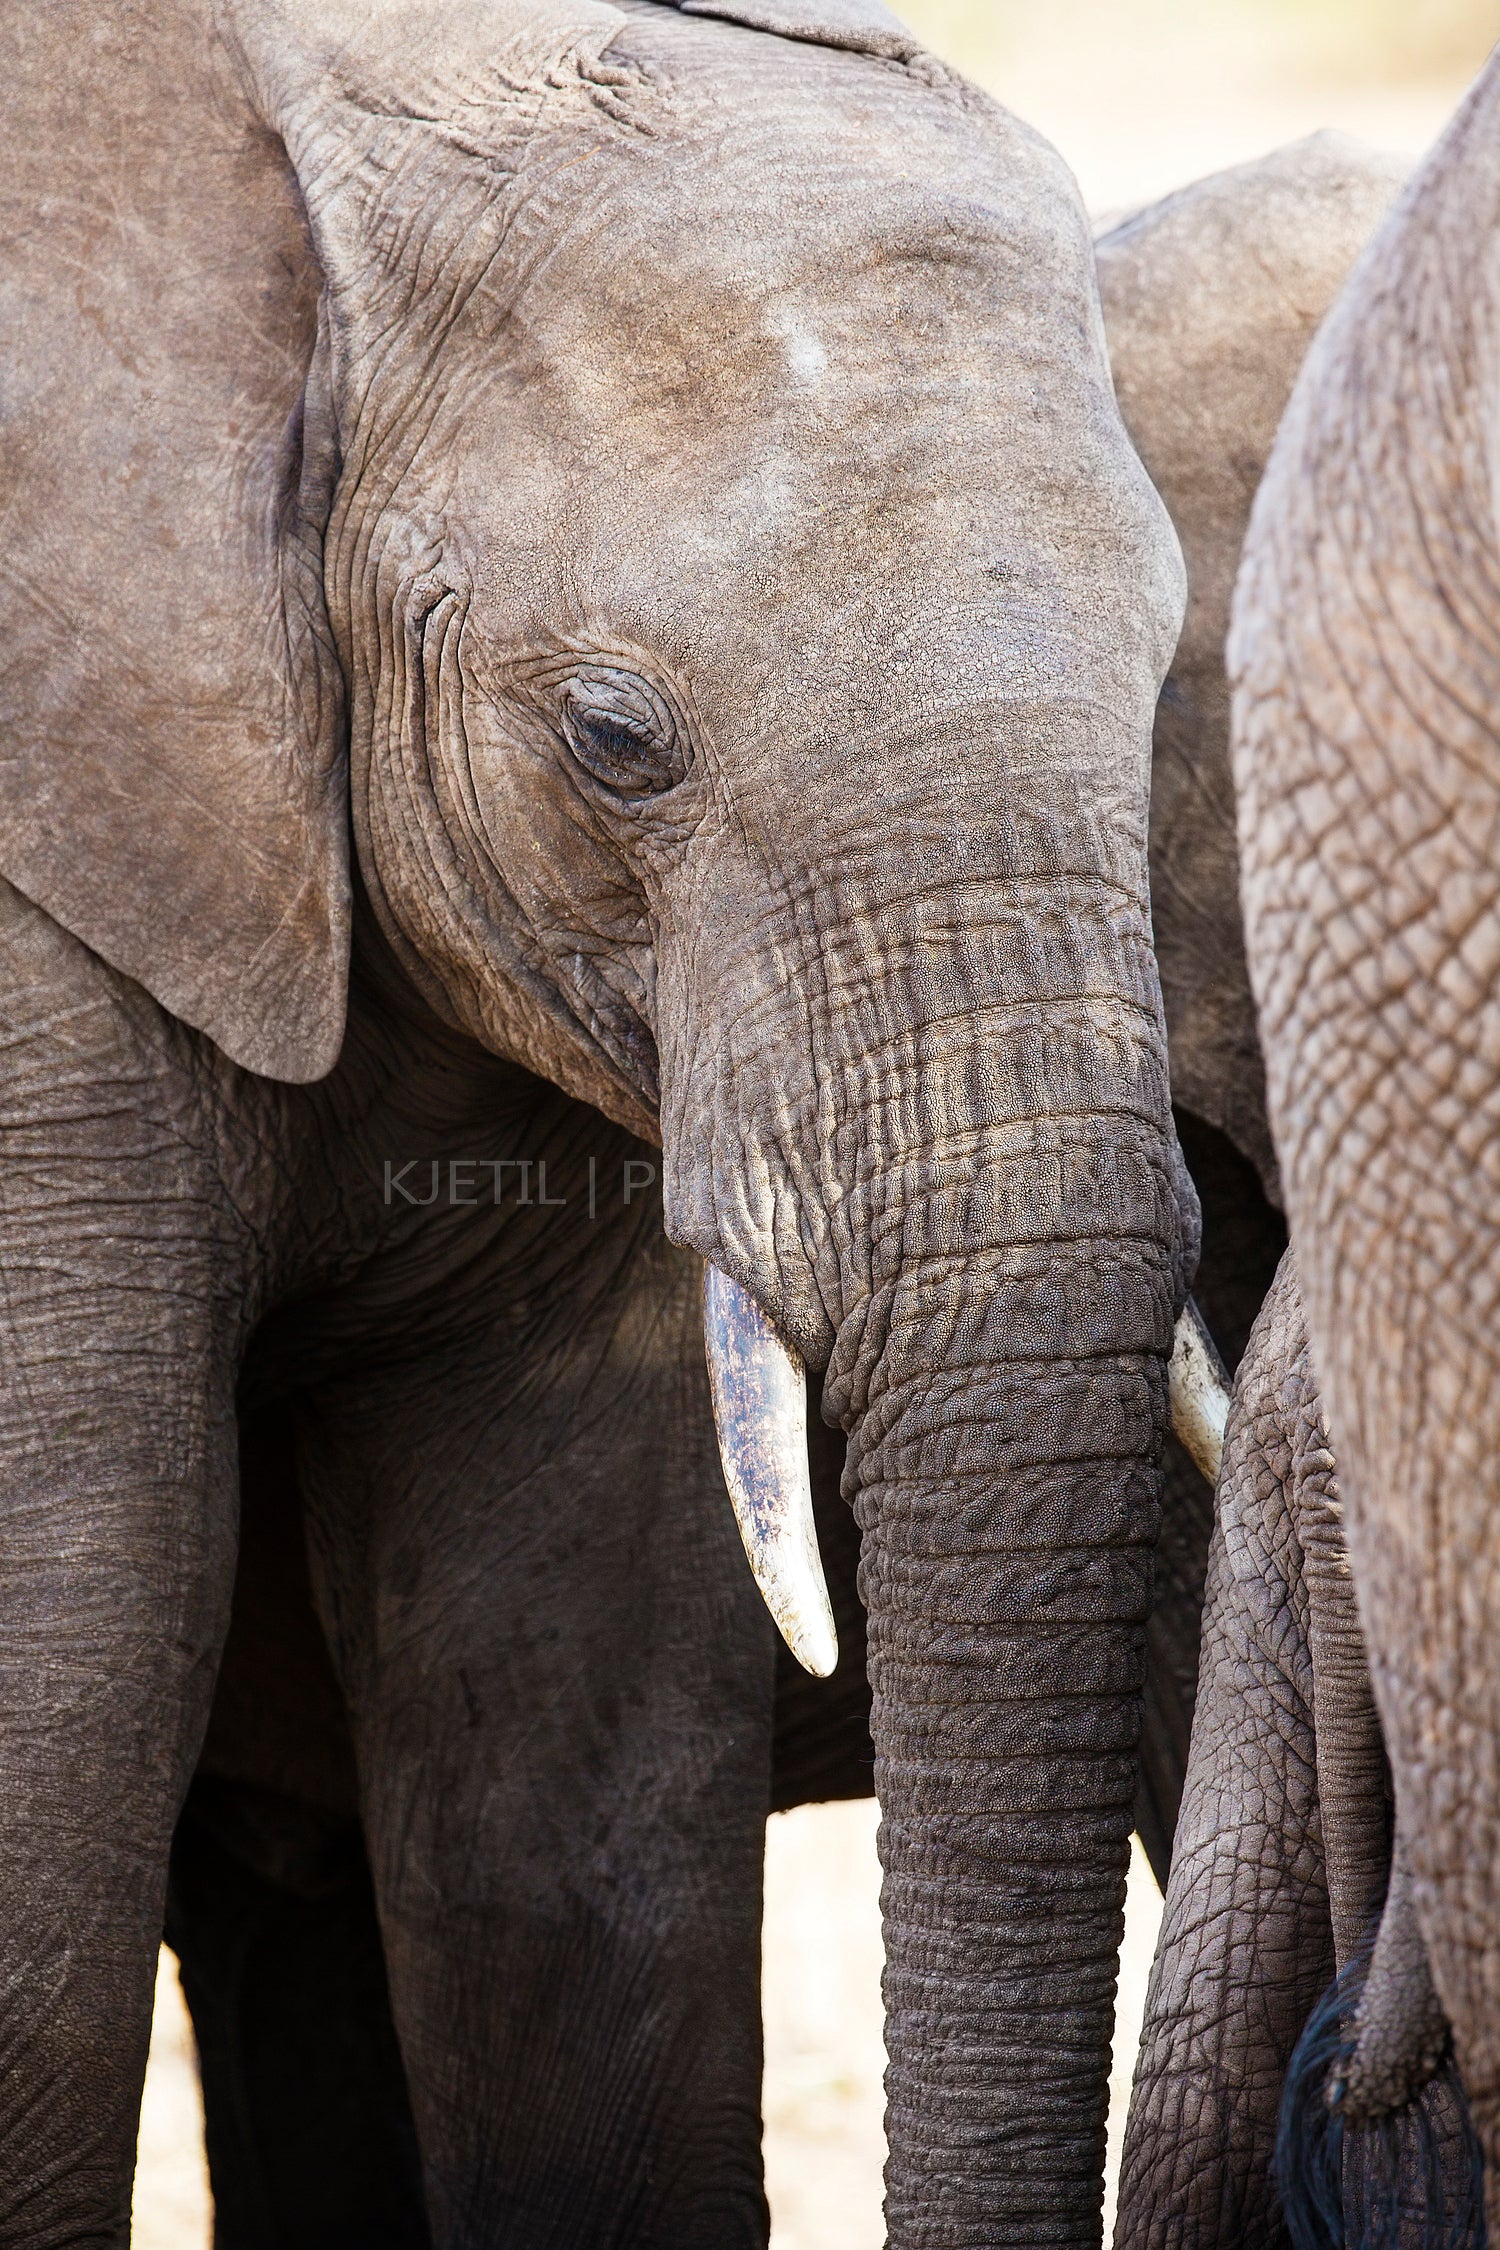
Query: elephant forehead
[
  {"x": 834, "y": 345},
  {"x": 730, "y": 277},
  {"x": 821, "y": 228},
  {"x": 906, "y": 404},
  {"x": 862, "y": 582}
]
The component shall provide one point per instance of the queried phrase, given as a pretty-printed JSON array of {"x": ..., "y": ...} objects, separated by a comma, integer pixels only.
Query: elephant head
[
  {"x": 1367, "y": 701},
  {"x": 678, "y": 458}
]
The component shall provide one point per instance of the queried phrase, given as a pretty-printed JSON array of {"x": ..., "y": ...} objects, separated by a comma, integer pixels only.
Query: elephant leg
[
  {"x": 123, "y": 1272},
  {"x": 560, "y": 1681},
  {"x": 1246, "y": 1945},
  {"x": 271, "y": 1913}
]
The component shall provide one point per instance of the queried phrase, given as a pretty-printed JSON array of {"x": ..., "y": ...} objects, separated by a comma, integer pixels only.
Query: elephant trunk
[
  {"x": 930, "y": 1135},
  {"x": 1003, "y": 1465}
]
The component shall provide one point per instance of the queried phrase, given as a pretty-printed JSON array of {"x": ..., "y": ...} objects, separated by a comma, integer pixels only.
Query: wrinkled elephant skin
[
  {"x": 1367, "y": 700},
  {"x": 1283, "y": 1868},
  {"x": 677, "y": 462}
]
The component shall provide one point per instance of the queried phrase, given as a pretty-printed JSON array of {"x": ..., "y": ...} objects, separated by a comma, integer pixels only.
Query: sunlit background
[
  {"x": 1147, "y": 94},
  {"x": 1140, "y": 96}
]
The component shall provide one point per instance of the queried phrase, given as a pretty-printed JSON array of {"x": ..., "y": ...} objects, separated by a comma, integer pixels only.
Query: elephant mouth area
[{"x": 759, "y": 1390}]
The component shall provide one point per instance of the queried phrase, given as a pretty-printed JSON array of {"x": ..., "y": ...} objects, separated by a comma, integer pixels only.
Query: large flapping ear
[
  {"x": 173, "y": 782},
  {"x": 171, "y": 739},
  {"x": 865, "y": 25}
]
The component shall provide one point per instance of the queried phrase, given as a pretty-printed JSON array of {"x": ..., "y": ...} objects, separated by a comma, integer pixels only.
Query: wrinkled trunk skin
[
  {"x": 1012, "y": 1226},
  {"x": 1367, "y": 664},
  {"x": 1009, "y": 1505}
]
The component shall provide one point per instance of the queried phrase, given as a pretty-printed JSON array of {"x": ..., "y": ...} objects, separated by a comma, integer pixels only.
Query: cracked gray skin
[
  {"x": 1211, "y": 298},
  {"x": 1366, "y": 701},
  {"x": 1246, "y": 1947},
  {"x": 655, "y": 483},
  {"x": 1283, "y": 1847}
]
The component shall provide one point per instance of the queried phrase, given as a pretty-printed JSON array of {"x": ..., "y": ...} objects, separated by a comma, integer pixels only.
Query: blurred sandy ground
[{"x": 1140, "y": 96}]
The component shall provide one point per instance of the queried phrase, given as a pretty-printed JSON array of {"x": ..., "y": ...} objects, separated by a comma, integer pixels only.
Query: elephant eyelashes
[{"x": 622, "y": 732}]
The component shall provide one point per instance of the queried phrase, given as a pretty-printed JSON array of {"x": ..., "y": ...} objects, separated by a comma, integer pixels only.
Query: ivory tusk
[
  {"x": 760, "y": 1412},
  {"x": 1199, "y": 1390}
]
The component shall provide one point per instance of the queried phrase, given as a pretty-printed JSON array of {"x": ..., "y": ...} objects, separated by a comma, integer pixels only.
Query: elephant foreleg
[
  {"x": 121, "y": 1280},
  {"x": 271, "y": 1912},
  {"x": 560, "y": 1681}
]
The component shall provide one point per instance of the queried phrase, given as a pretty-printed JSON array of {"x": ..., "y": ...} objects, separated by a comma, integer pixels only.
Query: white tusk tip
[
  {"x": 760, "y": 1411},
  {"x": 1199, "y": 1390}
]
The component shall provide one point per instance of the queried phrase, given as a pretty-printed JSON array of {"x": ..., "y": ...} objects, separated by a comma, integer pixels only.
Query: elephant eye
[{"x": 621, "y": 730}]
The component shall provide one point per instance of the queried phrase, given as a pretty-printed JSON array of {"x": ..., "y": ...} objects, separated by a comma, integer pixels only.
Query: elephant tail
[{"x": 1375, "y": 2147}]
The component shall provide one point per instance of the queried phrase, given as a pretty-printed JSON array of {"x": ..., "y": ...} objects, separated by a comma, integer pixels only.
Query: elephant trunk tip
[{"x": 760, "y": 1412}]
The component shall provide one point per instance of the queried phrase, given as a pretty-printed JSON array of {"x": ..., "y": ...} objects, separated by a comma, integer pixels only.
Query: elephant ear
[
  {"x": 171, "y": 738},
  {"x": 864, "y": 25}
]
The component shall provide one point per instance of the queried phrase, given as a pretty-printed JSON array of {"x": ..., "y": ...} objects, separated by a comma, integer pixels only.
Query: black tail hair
[{"x": 1411, "y": 2181}]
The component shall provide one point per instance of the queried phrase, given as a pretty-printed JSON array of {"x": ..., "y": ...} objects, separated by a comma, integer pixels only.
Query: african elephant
[
  {"x": 1211, "y": 298},
  {"x": 651, "y": 478},
  {"x": 269, "y": 1905},
  {"x": 1367, "y": 702}
]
